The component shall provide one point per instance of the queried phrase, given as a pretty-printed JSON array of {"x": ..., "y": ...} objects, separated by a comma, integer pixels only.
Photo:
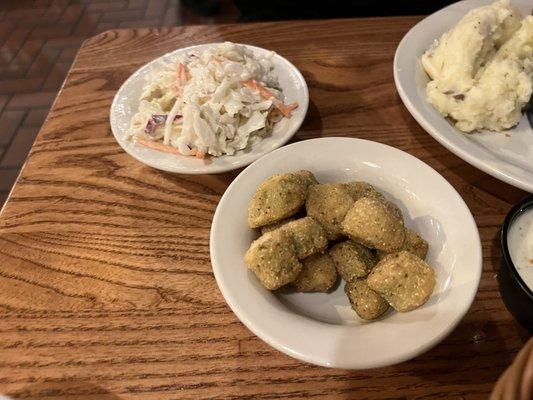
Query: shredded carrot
[
  {"x": 158, "y": 146},
  {"x": 263, "y": 91},
  {"x": 266, "y": 94},
  {"x": 166, "y": 148},
  {"x": 286, "y": 109},
  {"x": 182, "y": 75}
]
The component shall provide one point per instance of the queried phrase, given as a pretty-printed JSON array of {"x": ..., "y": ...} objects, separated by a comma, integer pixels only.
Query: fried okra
[
  {"x": 374, "y": 223},
  {"x": 367, "y": 303},
  {"x": 403, "y": 279},
  {"x": 273, "y": 259},
  {"x": 275, "y": 225},
  {"x": 277, "y": 198},
  {"x": 307, "y": 177},
  {"x": 413, "y": 243},
  {"x": 352, "y": 260},
  {"x": 318, "y": 274},
  {"x": 328, "y": 205},
  {"x": 308, "y": 235},
  {"x": 362, "y": 189}
]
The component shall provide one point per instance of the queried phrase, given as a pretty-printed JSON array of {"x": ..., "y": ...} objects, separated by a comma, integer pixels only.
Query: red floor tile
[
  {"x": 67, "y": 55},
  {"x": 6, "y": 27},
  {"x": 42, "y": 3},
  {"x": 44, "y": 20},
  {"x": 137, "y": 4},
  {"x": 25, "y": 13},
  {"x": 61, "y": 4},
  {"x": 43, "y": 63},
  {"x": 3, "y": 198},
  {"x": 19, "y": 148},
  {"x": 35, "y": 117},
  {"x": 9, "y": 123},
  {"x": 155, "y": 8},
  {"x": 7, "y": 178},
  {"x": 3, "y": 101},
  {"x": 143, "y": 23},
  {"x": 105, "y": 26},
  {"x": 87, "y": 23},
  {"x": 13, "y": 71},
  {"x": 27, "y": 53},
  {"x": 108, "y": 6},
  {"x": 20, "y": 85},
  {"x": 49, "y": 32},
  {"x": 71, "y": 14},
  {"x": 69, "y": 41},
  {"x": 29, "y": 100},
  {"x": 14, "y": 41},
  {"x": 171, "y": 16},
  {"x": 121, "y": 15},
  {"x": 56, "y": 76}
]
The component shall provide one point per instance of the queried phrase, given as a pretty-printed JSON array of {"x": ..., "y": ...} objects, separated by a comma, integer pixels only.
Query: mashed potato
[{"x": 482, "y": 69}]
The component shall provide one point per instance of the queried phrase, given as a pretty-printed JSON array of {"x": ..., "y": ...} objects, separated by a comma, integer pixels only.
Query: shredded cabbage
[{"x": 216, "y": 101}]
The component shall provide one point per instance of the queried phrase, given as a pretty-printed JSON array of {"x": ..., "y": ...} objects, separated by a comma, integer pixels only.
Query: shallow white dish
[
  {"x": 126, "y": 103},
  {"x": 508, "y": 155},
  {"x": 321, "y": 328}
]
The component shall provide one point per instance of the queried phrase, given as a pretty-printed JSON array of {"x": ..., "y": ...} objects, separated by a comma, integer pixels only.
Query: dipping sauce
[{"x": 520, "y": 244}]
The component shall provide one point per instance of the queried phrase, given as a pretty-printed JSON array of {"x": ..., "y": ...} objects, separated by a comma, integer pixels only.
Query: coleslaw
[{"x": 216, "y": 101}]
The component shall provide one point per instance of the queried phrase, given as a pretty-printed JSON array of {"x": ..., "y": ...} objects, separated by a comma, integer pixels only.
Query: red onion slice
[{"x": 156, "y": 120}]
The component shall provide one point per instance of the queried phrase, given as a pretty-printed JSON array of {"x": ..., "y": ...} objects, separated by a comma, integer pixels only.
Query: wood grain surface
[{"x": 106, "y": 288}]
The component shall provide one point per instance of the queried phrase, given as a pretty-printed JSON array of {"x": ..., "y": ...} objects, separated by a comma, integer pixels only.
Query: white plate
[
  {"x": 126, "y": 104},
  {"x": 506, "y": 157},
  {"x": 321, "y": 328}
]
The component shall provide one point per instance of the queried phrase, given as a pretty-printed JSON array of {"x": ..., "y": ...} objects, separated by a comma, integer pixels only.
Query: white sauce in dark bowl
[{"x": 520, "y": 244}]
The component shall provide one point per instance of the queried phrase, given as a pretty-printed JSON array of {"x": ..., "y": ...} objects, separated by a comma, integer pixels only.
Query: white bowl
[
  {"x": 126, "y": 104},
  {"x": 506, "y": 157},
  {"x": 321, "y": 328}
]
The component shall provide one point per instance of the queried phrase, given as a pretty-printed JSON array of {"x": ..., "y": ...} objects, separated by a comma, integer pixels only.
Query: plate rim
[
  {"x": 480, "y": 163},
  {"x": 209, "y": 169},
  {"x": 278, "y": 344}
]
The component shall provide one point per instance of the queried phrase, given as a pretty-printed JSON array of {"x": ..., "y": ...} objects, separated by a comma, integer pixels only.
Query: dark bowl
[{"x": 518, "y": 298}]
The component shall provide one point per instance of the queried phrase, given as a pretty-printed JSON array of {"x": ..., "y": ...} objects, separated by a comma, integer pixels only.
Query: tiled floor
[{"x": 39, "y": 39}]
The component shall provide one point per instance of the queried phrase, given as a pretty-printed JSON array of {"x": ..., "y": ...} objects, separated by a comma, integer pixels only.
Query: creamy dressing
[{"x": 520, "y": 243}]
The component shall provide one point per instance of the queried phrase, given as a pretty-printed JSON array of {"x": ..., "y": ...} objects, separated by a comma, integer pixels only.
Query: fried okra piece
[
  {"x": 367, "y": 303},
  {"x": 394, "y": 209},
  {"x": 308, "y": 235},
  {"x": 352, "y": 260},
  {"x": 277, "y": 198},
  {"x": 328, "y": 205},
  {"x": 362, "y": 189},
  {"x": 275, "y": 225},
  {"x": 413, "y": 243},
  {"x": 374, "y": 223},
  {"x": 307, "y": 177},
  {"x": 318, "y": 274},
  {"x": 403, "y": 279},
  {"x": 273, "y": 259}
]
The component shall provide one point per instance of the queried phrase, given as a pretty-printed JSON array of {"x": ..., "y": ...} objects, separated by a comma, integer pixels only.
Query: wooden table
[{"x": 106, "y": 288}]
